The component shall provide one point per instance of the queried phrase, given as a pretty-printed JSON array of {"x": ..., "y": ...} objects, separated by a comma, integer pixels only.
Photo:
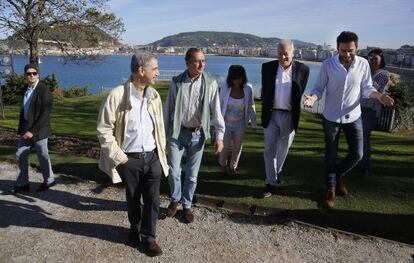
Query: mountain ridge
[{"x": 221, "y": 39}]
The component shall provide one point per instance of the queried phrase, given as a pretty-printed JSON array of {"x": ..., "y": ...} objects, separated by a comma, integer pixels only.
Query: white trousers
[
  {"x": 278, "y": 136},
  {"x": 237, "y": 139}
]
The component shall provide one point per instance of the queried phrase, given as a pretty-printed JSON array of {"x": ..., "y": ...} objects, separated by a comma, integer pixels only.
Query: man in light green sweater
[{"x": 193, "y": 100}]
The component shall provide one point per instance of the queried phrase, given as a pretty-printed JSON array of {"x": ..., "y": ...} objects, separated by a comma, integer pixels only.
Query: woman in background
[
  {"x": 237, "y": 108},
  {"x": 370, "y": 108}
]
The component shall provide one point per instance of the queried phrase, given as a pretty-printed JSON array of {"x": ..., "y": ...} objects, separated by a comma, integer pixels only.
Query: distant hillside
[{"x": 213, "y": 39}]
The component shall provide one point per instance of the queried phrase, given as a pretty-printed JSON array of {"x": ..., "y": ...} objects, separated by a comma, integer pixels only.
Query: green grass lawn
[{"x": 388, "y": 191}]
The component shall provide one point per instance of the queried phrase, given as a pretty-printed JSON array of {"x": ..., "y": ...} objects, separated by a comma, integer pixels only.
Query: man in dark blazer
[
  {"x": 34, "y": 130},
  {"x": 283, "y": 83}
]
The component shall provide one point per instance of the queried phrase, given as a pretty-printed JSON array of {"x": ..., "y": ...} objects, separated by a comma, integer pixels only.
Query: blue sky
[{"x": 388, "y": 24}]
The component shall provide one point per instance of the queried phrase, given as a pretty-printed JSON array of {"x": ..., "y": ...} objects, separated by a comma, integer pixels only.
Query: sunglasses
[{"x": 31, "y": 74}]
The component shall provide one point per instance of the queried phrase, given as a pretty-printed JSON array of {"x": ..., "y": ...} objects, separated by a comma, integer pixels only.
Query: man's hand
[
  {"x": 309, "y": 100},
  {"x": 27, "y": 135},
  {"x": 218, "y": 145},
  {"x": 386, "y": 100},
  {"x": 125, "y": 160}
]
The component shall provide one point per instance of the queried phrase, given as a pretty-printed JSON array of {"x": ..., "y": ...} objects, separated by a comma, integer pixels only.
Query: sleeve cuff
[{"x": 220, "y": 135}]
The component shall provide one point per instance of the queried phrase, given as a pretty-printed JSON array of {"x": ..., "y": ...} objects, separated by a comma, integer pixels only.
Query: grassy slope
[{"x": 390, "y": 190}]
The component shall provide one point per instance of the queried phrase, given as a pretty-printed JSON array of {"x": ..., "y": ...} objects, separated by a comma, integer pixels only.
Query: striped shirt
[{"x": 380, "y": 81}]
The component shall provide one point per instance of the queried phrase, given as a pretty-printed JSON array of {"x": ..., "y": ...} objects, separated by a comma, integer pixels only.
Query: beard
[{"x": 347, "y": 59}]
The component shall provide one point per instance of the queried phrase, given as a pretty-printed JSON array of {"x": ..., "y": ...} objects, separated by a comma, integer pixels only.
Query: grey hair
[
  {"x": 141, "y": 59},
  {"x": 286, "y": 42}
]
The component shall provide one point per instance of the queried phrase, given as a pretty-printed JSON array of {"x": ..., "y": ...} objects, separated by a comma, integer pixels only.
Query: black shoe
[
  {"x": 134, "y": 238},
  {"x": 279, "y": 179},
  {"x": 223, "y": 170},
  {"x": 152, "y": 249},
  {"x": 268, "y": 191},
  {"x": 22, "y": 188},
  {"x": 45, "y": 186}
]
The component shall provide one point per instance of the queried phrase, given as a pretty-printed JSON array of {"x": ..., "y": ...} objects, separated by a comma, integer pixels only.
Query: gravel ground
[{"x": 78, "y": 221}]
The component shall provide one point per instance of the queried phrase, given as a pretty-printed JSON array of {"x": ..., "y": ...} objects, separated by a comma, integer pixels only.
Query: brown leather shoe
[
  {"x": 188, "y": 216},
  {"x": 330, "y": 200},
  {"x": 172, "y": 209},
  {"x": 152, "y": 249},
  {"x": 340, "y": 187}
]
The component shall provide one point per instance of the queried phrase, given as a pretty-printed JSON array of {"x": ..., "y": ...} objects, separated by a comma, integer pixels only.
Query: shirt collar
[
  {"x": 134, "y": 92},
  {"x": 189, "y": 79},
  {"x": 288, "y": 70},
  {"x": 34, "y": 85}
]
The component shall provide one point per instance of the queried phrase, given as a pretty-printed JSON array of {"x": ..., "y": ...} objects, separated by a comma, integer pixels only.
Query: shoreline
[
  {"x": 164, "y": 54},
  {"x": 391, "y": 67}
]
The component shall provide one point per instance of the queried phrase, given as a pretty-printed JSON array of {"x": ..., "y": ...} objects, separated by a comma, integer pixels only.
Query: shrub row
[{"x": 12, "y": 90}]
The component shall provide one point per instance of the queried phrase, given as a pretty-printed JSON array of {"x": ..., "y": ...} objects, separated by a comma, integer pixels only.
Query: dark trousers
[
  {"x": 369, "y": 120},
  {"x": 354, "y": 139},
  {"x": 142, "y": 178}
]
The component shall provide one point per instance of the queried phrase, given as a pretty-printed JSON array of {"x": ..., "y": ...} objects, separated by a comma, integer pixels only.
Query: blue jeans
[
  {"x": 23, "y": 150},
  {"x": 369, "y": 120},
  {"x": 193, "y": 144},
  {"x": 354, "y": 139}
]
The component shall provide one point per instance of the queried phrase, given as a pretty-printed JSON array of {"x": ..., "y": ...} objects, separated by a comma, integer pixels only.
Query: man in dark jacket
[
  {"x": 34, "y": 130},
  {"x": 283, "y": 83}
]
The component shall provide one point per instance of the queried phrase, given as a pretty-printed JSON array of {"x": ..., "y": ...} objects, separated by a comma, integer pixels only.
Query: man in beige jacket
[{"x": 132, "y": 137}]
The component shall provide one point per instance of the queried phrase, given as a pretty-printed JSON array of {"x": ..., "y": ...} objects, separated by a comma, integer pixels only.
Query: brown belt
[
  {"x": 282, "y": 110},
  {"x": 191, "y": 129}
]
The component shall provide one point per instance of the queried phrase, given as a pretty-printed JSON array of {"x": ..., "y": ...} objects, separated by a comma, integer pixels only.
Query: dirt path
[
  {"x": 86, "y": 147},
  {"x": 81, "y": 222}
]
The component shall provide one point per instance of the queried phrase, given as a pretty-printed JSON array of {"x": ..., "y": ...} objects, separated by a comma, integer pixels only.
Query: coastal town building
[{"x": 402, "y": 57}]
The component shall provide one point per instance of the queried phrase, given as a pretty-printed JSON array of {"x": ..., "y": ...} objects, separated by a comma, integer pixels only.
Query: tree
[{"x": 70, "y": 25}]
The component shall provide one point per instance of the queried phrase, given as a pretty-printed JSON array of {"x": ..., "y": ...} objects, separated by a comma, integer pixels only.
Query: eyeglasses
[
  {"x": 372, "y": 58},
  {"x": 31, "y": 74}
]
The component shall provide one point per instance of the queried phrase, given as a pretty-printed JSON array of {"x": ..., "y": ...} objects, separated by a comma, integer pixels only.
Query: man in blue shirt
[
  {"x": 34, "y": 130},
  {"x": 345, "y": 78}
]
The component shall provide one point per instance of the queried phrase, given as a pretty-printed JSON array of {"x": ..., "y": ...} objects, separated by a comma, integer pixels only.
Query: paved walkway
[{"x": 82, "y": 222}]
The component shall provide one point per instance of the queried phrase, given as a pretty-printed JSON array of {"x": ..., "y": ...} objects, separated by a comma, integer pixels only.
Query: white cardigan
[{"x": 249, "y": 107}]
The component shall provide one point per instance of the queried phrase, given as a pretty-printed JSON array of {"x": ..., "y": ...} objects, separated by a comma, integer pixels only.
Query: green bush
[
  {"x": 58, "y": 94},
  {"x": 76, "y": 92},
  {"x": 51, "y": 82},
  {"x": 404, "y": 102},
  {"x": 12, "y": 90},
  {"x": 402, "y": 95}
]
